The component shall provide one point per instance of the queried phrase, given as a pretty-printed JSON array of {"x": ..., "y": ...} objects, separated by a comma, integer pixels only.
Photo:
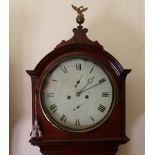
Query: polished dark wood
[
  {"x": 103, "y": 140},
  {"x": 108, "y": 146}
]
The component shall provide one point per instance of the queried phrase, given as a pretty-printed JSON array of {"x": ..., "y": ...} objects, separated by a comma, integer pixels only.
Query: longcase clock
[{"x": 78, "y": 98}]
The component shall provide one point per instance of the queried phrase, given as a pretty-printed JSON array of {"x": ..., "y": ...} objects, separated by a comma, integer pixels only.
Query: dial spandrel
[{"x": 77, "y": 95}]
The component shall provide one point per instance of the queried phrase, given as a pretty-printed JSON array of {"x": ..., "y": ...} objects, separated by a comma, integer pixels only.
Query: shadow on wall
[{"x": 16, "y": 76}]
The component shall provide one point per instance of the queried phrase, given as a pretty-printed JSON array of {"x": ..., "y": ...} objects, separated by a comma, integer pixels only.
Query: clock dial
[{"x": 77, "y": 95}]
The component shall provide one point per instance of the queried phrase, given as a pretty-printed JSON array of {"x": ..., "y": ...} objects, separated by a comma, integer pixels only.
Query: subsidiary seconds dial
[{"x": 77, "y": 94}]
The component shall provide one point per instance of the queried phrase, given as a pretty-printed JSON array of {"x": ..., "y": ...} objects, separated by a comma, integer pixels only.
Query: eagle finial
[
  {"x": 80, "y": 9},
  {"x": 80, "y": 18}
]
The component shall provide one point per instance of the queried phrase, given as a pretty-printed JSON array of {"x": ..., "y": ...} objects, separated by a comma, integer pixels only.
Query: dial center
[{"x": 78, "y": 94}]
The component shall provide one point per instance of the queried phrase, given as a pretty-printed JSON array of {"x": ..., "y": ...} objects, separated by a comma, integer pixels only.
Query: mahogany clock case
[{"x": 111, "y": 133}]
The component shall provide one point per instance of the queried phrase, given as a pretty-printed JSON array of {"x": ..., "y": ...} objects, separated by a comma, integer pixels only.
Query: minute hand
[{"x": 101, "y": 81}]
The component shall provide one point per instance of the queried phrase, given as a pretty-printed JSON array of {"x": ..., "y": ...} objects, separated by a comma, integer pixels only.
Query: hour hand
[
  {"x": 99, "y": 82},
  {"x": 90, "y": 80},
  {"x": 78, "y": 82}
]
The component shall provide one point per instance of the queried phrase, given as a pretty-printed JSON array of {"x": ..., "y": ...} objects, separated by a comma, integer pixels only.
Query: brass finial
[{"x": 80, "y": 18}]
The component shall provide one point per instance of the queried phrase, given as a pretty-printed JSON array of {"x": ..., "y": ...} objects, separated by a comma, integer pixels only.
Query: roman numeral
[
  {"x": 50, "y": 95},
  {"x": 78, "y": 66},
  {"x": 92, "y": 118},
  {"x": 105, "y": 94},
  {"x": 102, "y": 80},
  {"x": 53, "y": 108},
  {"x": 101, "y": 108},
  {"x": 63, "y": 118},
  {"x": 54, "y": 80},
  {"x": 77, "y": 122},
  {"x": 64, "y": 69},
  {"x": 91, "y": 70}
]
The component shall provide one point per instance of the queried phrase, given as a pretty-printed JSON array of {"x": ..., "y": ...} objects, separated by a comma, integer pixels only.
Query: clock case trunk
[{"x": 103, "y": 140}]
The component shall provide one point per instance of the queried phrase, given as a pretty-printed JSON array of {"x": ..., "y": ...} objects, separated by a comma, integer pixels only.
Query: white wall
[{"x": 36, "y": 26}]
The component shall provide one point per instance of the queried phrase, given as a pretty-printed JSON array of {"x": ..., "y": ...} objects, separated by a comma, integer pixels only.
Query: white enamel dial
[{"x": 77, "y": 95}]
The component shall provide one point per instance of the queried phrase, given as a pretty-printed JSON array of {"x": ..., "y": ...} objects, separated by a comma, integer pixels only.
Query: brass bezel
[{"x": 113, "y": 103}]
